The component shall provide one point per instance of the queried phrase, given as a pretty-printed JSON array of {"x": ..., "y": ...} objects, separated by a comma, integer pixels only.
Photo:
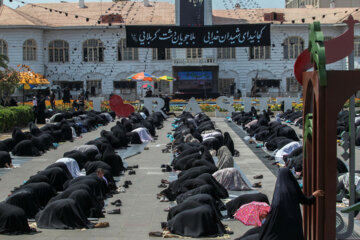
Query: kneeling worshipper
[
  {"x": 71, "y": 165},
  {"x": 13, "y": 220},
  {"x": 26, "y": 200},
  {"x": 43, "y": 191},
  {"x": 284, "y": 220},
  {"x": 231, "y": 179},
  {"x": 194, "y": 201},
  {"x": 200, "y": 221},
  {"x": 144, "y": 134},
  {"x": 5, "y": 160},
  {"x": 62, "y": 214}
]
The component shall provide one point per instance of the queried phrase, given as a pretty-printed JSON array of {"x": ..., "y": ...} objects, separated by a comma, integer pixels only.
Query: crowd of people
[
  {"x": 202, "y": 180},
  {"x": 62, "y": 196},
  {"x": 202, "y": 166},
  {"x": 196, "y": 191}
]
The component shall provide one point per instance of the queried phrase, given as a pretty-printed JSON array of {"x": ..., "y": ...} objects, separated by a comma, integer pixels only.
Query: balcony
[{"x": 195, "y": 62}]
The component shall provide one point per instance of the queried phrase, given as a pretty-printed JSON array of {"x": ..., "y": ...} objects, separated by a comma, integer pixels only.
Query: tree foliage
[
  {"x": 9, "y": 78},
  {"x": 9, "y": 81},
  {"x": 4, "y": 61}
]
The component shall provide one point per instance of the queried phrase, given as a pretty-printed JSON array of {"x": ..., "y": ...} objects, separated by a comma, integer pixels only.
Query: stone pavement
[{"x": 141, "y": 211}]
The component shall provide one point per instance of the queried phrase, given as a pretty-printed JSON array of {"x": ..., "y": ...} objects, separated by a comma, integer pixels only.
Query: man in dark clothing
[
  {"x": 87, "y": 95},
  {"x": 148, "y": 93},
  {"x": 167, "y": 103},
  {"x": 52, "y": 99},
  {"x": 66, "y": 95},
  {"x": 81, "y": 101},
  {"x": 41, "y": 110},
  {"x": 232, "y": 89}
]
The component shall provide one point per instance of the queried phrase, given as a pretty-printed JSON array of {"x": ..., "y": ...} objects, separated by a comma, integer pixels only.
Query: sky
[{"x": 217, "y": 4}]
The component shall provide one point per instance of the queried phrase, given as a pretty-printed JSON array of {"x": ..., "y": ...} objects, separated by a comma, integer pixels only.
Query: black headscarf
[
  {"x": 113, "y": 160},
  {"x": 4, "y": 159},
  {"x": 43, "y": 191},
  {"x": 182, "y": 207},
  {"x": 284, "y": 220},
  {"x": 57, "y": 177},
  {"x": 79, "y": 157},
  {"x": 13, "y": 220},
  {"x": 229, "y": 143},
  {"x": 196, "y": 222},
  {"x": 62, "y": 214},
  {"x": 207, "y": 188},
  {"x": 26, "y": 200}
]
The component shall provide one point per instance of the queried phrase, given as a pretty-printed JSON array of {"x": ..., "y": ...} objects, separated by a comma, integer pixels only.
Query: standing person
[
  {"x": 148, "y": 93},
  {"x": 282, "y": 107},
  {"x": 13, "y": 102},
  {"x": 59, "y": 92},
  {"x": 66, "y": 95},
  {"x": 284, "y": 221},
  {"x": 167, "y": 103},
  {"x": 239, "y": 95},
  {"x": 81, "y": 101},
  {"x": 93, "y": 91},
  {"x": 41, "y": 110},
  {"x": 232, "y": 89},
  {"x": 52, "y": 99},
  {"x": 34, "y": 102},
  {"x": 87, "y": 95}
]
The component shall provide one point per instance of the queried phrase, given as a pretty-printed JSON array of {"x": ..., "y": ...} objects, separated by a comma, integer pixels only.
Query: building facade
[
  {"x": 86, "y": 54},
  {"x": 322, "y": 3}
]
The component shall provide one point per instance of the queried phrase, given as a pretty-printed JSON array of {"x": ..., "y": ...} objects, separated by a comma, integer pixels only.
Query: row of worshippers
[
  {"x": 201, "y": 182},
  {"x": 198, "y": 191},
  {"x": 284, "y": 220},
  {"x": 37, "y": 140},
  {"x": 68, "y": 125},
  {"x": 280, "y": 139},
  {"x": 64, "y": 197}
]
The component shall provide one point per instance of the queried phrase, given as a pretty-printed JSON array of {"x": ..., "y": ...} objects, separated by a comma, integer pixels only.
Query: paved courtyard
[{"x": 141, "y": 211}]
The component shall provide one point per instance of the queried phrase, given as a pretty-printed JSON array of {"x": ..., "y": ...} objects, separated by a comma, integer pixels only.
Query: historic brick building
[{"x": 82, "y": 45}]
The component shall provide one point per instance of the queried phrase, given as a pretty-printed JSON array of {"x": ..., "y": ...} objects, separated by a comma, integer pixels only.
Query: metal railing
[{"x": 194, "y": 61}]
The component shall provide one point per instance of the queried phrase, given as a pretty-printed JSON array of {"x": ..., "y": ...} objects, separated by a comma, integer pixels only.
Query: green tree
[
  {"x": 9, "y": 78},
  {"x": 4, "y": 61},
  {"x": 9, "y": 81}
]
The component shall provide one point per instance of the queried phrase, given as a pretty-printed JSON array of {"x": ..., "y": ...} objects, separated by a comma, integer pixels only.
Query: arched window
[
  {"x": 126, "y": 53},
  {"x": 357, "y": 46},
  {"x": 58, "y": 51},
  {"x": 93, "y": 50},
  {"x": 29, "y": 50},
  {"x": 293, "y": 46},
  {"x": 3, "y": 47}
]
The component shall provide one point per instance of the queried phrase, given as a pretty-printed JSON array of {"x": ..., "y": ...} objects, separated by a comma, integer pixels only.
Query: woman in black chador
[{"x": 284, "y": 220}]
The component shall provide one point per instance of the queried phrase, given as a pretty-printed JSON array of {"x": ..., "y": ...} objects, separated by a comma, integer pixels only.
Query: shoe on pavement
[
  {"x": 257, "y": 185},
  {"x": 102, "y": 225}
]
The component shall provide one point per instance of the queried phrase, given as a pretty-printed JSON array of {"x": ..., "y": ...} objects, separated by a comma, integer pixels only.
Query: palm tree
[{"x": 4, "y": 61}]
